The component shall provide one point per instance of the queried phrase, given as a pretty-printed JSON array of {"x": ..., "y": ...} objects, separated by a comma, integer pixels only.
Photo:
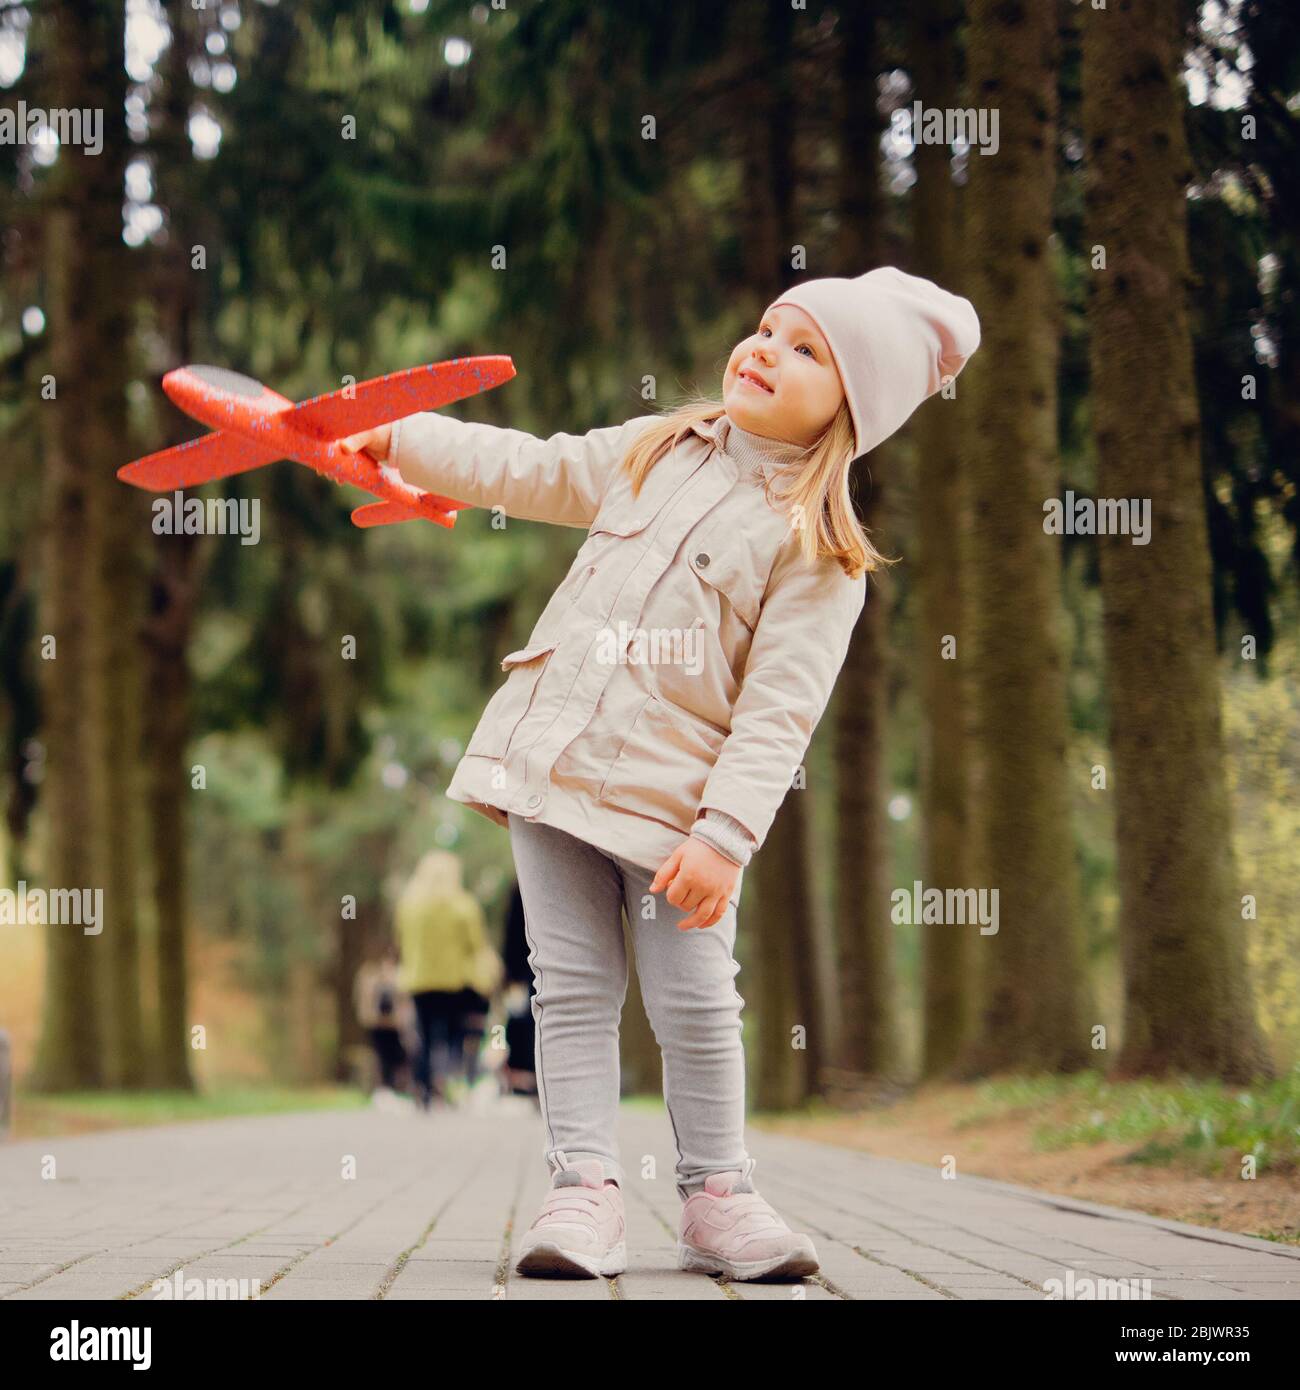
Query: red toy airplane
[{"x": 253, "y": 426}]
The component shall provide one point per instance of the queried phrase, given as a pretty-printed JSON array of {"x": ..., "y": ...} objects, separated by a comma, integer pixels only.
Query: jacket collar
[
  {"x": 714, "y": 432},
  {"x": 753, "y": 456},
  {"x": 710, "y": 429}
]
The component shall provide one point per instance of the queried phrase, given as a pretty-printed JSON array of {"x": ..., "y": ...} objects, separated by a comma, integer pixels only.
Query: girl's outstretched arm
[{"x": 561, "y": 479}]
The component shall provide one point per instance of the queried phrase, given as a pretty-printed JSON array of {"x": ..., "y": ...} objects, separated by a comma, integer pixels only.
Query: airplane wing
[
  {"x": 392, "y": 397},
  {"x": 217, "y": 455}
]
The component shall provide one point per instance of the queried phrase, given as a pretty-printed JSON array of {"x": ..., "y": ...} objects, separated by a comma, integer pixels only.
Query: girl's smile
[{"x": 782, "y": 382}]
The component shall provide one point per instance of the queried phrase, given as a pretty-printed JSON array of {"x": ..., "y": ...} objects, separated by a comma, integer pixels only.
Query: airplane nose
[
  {"x": 195, "y": 387},
  {"x": 222, "y": 379}
]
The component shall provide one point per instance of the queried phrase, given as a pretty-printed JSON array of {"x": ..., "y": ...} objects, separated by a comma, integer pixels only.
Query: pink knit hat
[{"x": 894, "y": 338}]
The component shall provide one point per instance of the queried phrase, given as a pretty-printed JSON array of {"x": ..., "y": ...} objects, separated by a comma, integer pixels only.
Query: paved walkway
[{"x": 437, "y": 1204}]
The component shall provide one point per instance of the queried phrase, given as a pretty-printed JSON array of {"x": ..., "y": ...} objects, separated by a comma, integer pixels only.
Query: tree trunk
[
  {"x": 1034, "y": 1014},
  {"x": 355, "y": 941},
  {"x": 172, "y": 602},
  {"x": 1187, "y": 997},
  {"x": 86, "y": 261},
  {"x": 784, "y": 924},
  {"x": 762, "y": 118},
  {"x": 68, "y": 1055},
  {"x": 869, "y": 1040},
  {"x": 780, "y": 969},
  {"x": 947, "y": 951},
  {"x": 178, "y": 565},
  {"x": 125, "y": 1051}
]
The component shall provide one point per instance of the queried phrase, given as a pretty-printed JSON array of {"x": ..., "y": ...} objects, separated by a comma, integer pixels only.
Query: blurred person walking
[
  {"x": 448, "y": 967},
  {"x": 382, "y": 1009}
]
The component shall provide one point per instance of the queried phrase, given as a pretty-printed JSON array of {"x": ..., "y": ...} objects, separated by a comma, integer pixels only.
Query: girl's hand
[
  {"x": 374, "y": 442},
  {"x": 698, "y": 877}
]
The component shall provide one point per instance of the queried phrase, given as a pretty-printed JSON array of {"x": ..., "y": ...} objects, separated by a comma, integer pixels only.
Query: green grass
[
  {"x": 1203, "y": 1125},
  {"x": 1205, "y": 1122},
  {"x": 37, "y": 1116}
]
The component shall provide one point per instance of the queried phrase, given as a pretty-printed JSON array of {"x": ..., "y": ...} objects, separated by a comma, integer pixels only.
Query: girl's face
[{"x": 800, "y": 391}]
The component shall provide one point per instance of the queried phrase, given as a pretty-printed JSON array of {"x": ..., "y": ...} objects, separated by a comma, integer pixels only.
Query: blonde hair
[
  {"x": 816, "y": 485},
  {"x": 437, "y": 875}
]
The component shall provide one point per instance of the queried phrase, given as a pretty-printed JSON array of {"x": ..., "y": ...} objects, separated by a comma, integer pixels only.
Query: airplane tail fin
[{"x": 386, "y": 513}]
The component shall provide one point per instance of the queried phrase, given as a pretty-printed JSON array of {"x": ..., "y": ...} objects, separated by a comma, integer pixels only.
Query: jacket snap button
[
  {"x": 534, "y": 800},
  {"x": 702, "y": 559}
]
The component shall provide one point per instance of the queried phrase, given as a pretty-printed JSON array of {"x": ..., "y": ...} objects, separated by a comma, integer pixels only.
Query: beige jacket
[{"x": 684, "y": 661}]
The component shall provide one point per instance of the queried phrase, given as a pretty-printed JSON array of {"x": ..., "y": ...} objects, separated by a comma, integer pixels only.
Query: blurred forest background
[{"x": 308, "y": 191}]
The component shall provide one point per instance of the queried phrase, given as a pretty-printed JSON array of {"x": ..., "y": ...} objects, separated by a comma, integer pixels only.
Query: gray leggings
[{"x": 574, "y": 896}]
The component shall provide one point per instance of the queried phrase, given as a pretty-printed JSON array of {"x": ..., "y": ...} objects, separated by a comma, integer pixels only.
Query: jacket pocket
[
  {"x": 663, "y": 765},
  {"x": 580, "y": 583},
  {"x": 511, "y": 702},
  {"x": 624, "y": 517},
  {"x": 728, "y": 568}
]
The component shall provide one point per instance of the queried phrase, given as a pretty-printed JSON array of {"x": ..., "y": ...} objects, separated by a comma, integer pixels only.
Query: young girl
[{"x": 648, "y": 732}]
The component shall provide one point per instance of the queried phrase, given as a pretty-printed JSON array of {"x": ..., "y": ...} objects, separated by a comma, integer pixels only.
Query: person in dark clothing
[
  {"x": 390, "y": 1054},
  {"x": 521, "y": 1065},
  {"x": 439, "y": 1021}
]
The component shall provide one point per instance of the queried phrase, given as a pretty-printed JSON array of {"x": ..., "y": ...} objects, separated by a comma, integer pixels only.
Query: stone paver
[{"x": 368, "y": 1204}]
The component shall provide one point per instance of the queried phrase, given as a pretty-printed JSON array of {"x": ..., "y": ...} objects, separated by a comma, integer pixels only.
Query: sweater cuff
[{"x": 725, "y": 834}]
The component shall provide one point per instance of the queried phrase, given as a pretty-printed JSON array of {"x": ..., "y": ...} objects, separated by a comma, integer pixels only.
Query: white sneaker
[
  {"x": 729, "y": 1228},
  {"x": 580, "y": 1228}
]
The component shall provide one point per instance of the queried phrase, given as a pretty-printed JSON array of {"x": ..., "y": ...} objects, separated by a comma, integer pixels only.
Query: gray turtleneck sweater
[
  {"x": 755, "y": 452},
  {"x": 759, "y": 458}
]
